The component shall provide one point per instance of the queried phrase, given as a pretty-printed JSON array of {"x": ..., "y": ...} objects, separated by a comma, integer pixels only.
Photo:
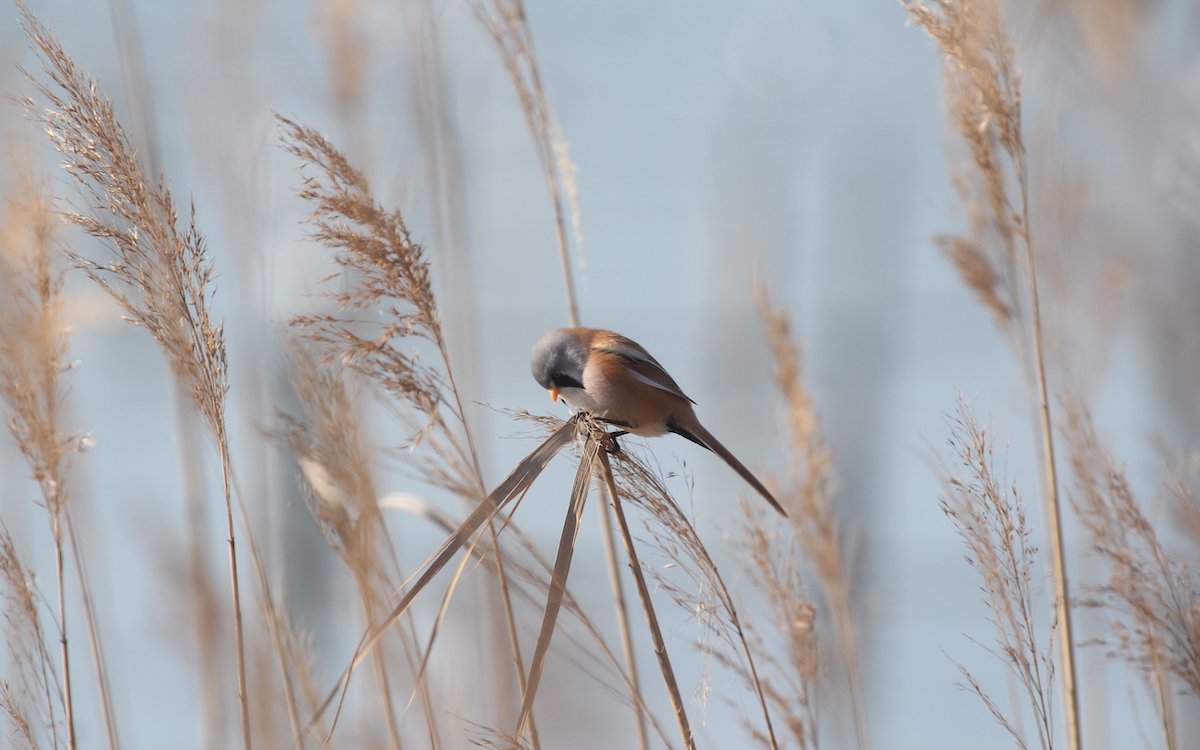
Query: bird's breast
[{"x": 610, "y": 393}]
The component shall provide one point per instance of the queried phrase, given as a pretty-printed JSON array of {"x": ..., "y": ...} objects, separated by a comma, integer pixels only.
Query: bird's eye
[{"x": 559, "y": 380}]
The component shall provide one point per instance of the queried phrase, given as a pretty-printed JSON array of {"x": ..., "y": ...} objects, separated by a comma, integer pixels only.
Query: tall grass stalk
[
  {"x": 990, "y": 517},
  {"x": 160, "y": 273},
  {"x": 1066, "y": 644},
  {"x": 812, "y": 487},
  {"x": 99, "y": 664},
  {"x": 558, "y": 578},
  {"x": 33, "y": 349},
  {"x": 660, "y": 646},
  {"x": 143, "y": 137},
  {"x": 506, "y": 23},
  {"x": 393, "y": 274},
  {"x": 325, "y": 439},
  {"x": 32, "y": 698},
  {"x": 617, "y": 587},
  {"x": 983, "y": 91},
  {"x": 513, "y": 486},
  {"x": 707, "y": 594},
  {"x": 1152, "y": 595}
]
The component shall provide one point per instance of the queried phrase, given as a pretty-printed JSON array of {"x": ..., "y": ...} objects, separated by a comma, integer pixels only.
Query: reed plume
[
  {"x": 506, "y": 22},
  {"x": 33, "y": 368},
  {"x": 989, "y": 515},
  {"x": 811, "y": 488},
  {"x": 158, "y": 272},
  {"x": 1152, "y": 596},
  {"x": 325, "y": 438},
  {"x": 392, "y": 277},
  {"x": 787, "y": 643},
  {"x": 34, "y": 699},
  {"x": 998, "y": 259}
]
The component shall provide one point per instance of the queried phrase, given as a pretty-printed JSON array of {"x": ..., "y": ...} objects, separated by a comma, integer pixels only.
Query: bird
[{"x": 616, "y": 380}]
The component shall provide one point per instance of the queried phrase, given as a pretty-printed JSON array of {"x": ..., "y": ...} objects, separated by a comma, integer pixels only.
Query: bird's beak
[{"x": 554, "y": 394}]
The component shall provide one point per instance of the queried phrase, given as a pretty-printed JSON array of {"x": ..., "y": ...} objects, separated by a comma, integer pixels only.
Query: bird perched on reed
[{"x": 617, "y": 380}]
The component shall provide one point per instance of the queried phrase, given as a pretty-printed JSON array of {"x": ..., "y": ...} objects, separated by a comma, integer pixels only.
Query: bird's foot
[{"x": 610, "y": 444}]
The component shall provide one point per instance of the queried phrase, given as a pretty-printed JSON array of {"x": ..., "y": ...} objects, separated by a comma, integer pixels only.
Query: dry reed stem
[
  {"x": 33, "y": 349},
  {"x": 558, "y": 579},
  {"x": 813, "y": 485},
  {"x": 158, "y": 274},
  {"x": 426, "y": 651},
  {"x": 103, "y": 684},
  {"x": 1050, "y": 472},
  {"x": 635, "y": 566},
  {"x": 517, "y": 482},
  {"x": 204, "y": 619},
  {"x": 990, "y": 518},
  {"x": 617, "y": 587},
  {"x": 294, "y": 654},
  {"x": 708, "y": 597},
  {"x": 530, "y": 579},
  {"x": 286, "y": 650},
  {"x": 770, "y": 555},
  {"x": 278, "y": 629},
  {"x": 506, "y": 23},
  {"x": 392, "y": 274},
  {"x": 326, "y": 442},
  {"x": 1153, "y": 597},
  {"x": 984, "y": 95},
  {"x": 34, "y": 704},
  {"x": 341, "y": 25}
]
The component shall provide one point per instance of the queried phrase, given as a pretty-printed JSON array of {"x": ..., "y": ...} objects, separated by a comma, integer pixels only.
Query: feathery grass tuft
[
  {"x": 811, "y": 488},
  {"x": 33, "y": 365},
  {"x": 1152, "y": 596},
  {"x": 983, "y": 96},
  {"x": 35, "y": 703},
  {"x": 983, "y": 93},
  {"x": 990, "y": 517},
  {"x": 786, "y": 644},
  {"x": 159, "y": 271},
  {"x": 325, "y": 439},
  {"x": 392, "y": 280}
]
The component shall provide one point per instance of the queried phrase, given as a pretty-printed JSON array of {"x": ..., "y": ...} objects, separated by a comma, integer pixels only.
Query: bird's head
[{"x": 558, "y": 361}]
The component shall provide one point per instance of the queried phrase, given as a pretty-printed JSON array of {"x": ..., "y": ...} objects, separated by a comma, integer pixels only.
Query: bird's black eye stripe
[{"x": 558, "y": 380}]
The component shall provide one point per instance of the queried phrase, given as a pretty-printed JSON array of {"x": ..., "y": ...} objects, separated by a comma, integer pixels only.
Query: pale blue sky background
[{"x": 796, "y": 142}]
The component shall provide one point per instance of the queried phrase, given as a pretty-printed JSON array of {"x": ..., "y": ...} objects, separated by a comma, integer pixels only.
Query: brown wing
[{"x": 642, "y": 366}]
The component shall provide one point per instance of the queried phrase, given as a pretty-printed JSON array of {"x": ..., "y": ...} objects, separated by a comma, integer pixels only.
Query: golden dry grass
[
  {"x": 789, "y": 641},
  {"x": 1000, "y": 260}
]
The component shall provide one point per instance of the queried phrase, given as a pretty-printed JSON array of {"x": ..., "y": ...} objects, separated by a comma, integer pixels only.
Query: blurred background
[{"x": 801, "y": 145}]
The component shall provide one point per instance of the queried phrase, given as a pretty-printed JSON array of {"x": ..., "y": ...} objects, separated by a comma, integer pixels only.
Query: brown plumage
[{"x": 617, "y": 380}]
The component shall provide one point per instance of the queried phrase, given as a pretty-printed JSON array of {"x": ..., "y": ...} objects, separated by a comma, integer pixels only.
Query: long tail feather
[{"x": 696, "y": 432}]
